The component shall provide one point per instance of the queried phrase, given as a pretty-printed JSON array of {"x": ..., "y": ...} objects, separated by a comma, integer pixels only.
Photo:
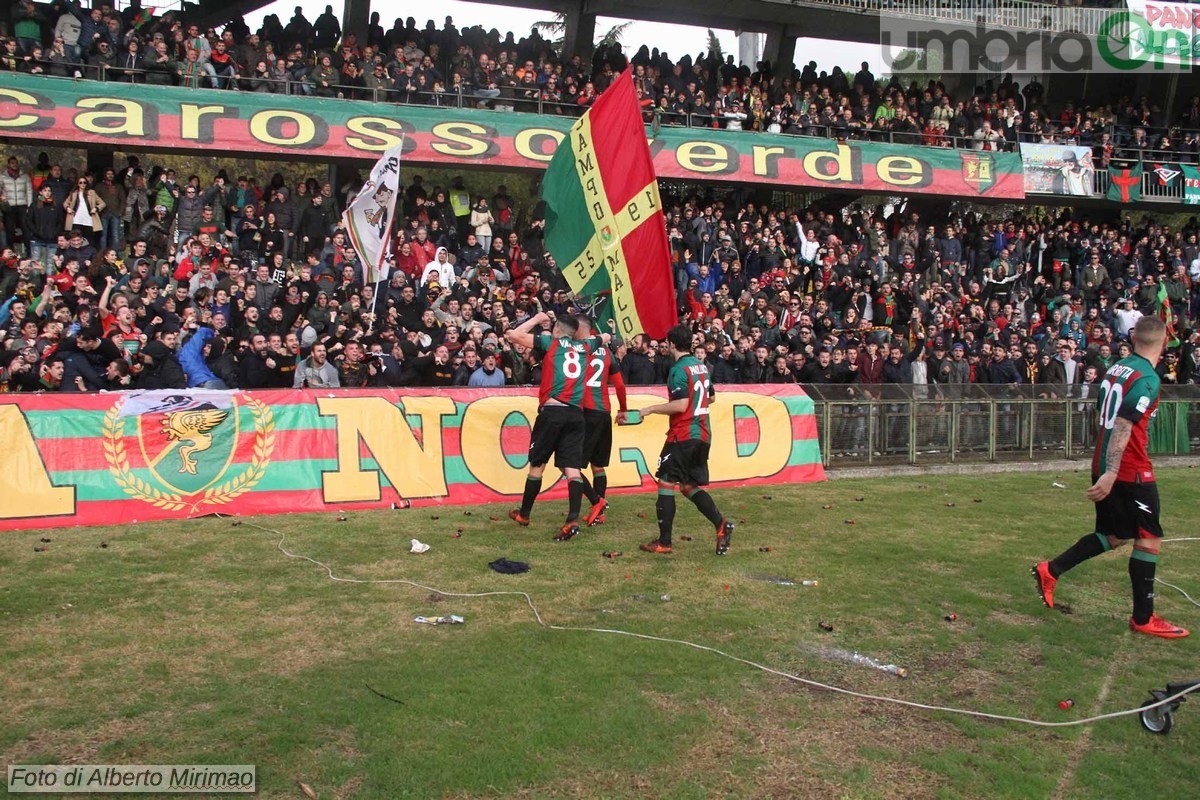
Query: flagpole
[{"x": 379, "y": 269}]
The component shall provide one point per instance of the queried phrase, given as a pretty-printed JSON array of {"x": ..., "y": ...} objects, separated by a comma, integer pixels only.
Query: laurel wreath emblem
[{"x": 132, "y": 485}]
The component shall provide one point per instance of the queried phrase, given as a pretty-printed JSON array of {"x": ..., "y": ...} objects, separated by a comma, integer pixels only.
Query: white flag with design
[{"x": 368, "y": 218}]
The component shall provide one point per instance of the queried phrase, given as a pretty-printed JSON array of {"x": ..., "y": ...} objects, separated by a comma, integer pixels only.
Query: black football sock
[
  {"x": 590, "y": 493},
  {"x": 1087, "y": 547},
  {"x": 532, "y": 487},
  {"x": 1141, "y": 574},
  {"x": 574, "y": 498},
  {"x": 666, "y": 515},
  {"x": 600, "y": 480},
  {"x": 706, "y": 506}
]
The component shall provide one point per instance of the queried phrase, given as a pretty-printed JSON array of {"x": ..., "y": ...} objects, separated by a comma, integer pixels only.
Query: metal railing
[
  {"x": 1152, "y": 188},
  {"x": 533, "y": 102},
  {"x": 1003, "y": 13},
  {"x": 930, "y": 424}
]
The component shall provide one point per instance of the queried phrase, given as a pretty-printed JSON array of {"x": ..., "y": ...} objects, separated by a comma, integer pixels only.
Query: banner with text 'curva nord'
[
  {"x": 107, "y": 459},
  {"x": 137, "y": 116}
]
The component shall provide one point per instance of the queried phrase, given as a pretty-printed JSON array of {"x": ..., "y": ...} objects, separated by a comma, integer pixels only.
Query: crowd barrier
[
  {"x": 928, "y": 424},
  {"x": 111, "y": 459}
]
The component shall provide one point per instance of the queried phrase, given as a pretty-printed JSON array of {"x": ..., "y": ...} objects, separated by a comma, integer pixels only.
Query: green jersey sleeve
[
  {"x": 541, "y": 343},
  {"x": 677, "y": 384},
  {"x": 1139, "y": 398}
]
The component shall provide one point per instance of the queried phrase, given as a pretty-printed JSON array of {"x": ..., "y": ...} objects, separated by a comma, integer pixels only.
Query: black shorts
[
  {"x": 684, "y": 462},
  {"x": 597, "y": 437},
  {"x": 558, "y": 432},
  {"x": 1129, "y": 512}
]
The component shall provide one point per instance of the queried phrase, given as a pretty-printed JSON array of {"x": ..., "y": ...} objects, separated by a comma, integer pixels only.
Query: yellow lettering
[
  {"x": 29, "y": 492},
  {"x": 900, "y": 170},
  {"x": 414, "y": 468},
  {"x": 763, "y": 158},
  {"x": 482, "y": 450},
  {"x": 115, "y": 117},
  {"x": 21, "y": 99},
  {"x": 774, "y": 437},
  {"x": 817, "y": 163},
  {"x": 704, "y": 157},
  {"x": 524, "y": 141},
  {"x": 380, "y": 133},
  {"x": 190, "y": 117},
  {"x": 260, "y": 127},
  {"x": 460, "y": 137}
]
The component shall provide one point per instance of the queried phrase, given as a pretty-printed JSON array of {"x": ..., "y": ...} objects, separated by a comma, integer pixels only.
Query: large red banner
[{"x": 74, "y": 459}]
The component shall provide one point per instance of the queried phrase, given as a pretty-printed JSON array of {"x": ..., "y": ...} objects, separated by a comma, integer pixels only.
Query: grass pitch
[{"x": 198, "y": 642}]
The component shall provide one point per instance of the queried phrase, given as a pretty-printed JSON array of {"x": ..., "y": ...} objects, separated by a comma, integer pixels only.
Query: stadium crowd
[
  {"x": 446, "y": 66},
  {"x": 134, "y": 278}
]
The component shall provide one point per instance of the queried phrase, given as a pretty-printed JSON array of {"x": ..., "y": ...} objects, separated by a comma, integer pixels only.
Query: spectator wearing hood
[
  {"x": 221, "y": 361},
  {"x": 440, "y": 269},
  {"x": 161, "y": 368},
  {"x": 192, "y": 359}
]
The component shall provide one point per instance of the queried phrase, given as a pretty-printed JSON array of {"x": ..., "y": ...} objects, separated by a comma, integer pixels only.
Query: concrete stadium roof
[{"x": 801, "y": 17}]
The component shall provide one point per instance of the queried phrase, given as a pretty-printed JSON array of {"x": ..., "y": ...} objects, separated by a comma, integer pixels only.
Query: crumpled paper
[{"x": 419, "y": 546}]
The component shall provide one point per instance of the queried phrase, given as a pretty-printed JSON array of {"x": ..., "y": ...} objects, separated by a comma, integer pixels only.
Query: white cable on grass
[
  {"x": 705, "y": 648},
  {"x": 1171, "y": 585},
  {"x": 1176, "y": 588}
]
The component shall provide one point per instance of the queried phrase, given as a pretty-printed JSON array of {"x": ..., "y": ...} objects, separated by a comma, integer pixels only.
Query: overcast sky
[{"x": 676, "y": 40}]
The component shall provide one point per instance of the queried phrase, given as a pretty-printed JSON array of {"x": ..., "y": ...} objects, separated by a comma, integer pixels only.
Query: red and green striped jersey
[
  {"x": 1130, "y": 391},
  {"x": 600, "y": 366},
  {"x": 689, "y": 379},
  {"x": 563, "y": 363}
]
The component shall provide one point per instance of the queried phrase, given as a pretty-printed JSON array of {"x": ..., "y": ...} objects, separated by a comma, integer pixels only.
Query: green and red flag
[
  {"x": 604, "y": 220},
  {"x": 1167, "y": 314},
  {"x": 143, "y": 16},
  {"x": 1125, "y": 182}
]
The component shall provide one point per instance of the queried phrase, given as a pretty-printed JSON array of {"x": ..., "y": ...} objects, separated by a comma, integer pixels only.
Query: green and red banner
[
  {"x": 1125, "y": 181},
  {"x": 258, "y": 125},
  {"x": 1191, "y": 184},
  {"x": 110, "y": 459},
  {"x": 604, "y": 220}
]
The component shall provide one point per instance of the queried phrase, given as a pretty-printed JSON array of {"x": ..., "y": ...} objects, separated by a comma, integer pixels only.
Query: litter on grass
[
  {"x": 858, "y": 659},
  {"x": 452, "y": 619},
  {"x": 419, "y": 547},
  {"x": 779, "y": 580}
]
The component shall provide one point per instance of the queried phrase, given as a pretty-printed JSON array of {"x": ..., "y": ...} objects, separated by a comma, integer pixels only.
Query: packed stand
[
  {"x": 447, "y": 67},
  {"x": 138, "y": 277}
]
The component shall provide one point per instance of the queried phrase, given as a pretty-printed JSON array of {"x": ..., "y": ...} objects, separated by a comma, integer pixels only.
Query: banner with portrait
[{"x": 1064, "y": 170}]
